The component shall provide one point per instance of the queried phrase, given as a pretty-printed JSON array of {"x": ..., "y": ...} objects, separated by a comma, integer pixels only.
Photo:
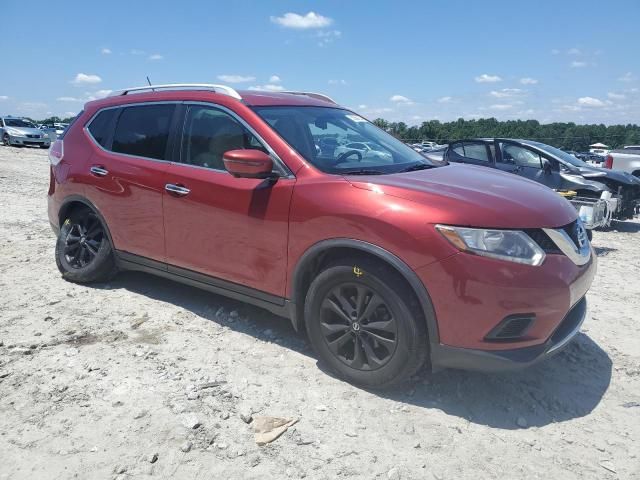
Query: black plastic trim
[
  {"x": 307, "y": 259},
  {"x": 272, "y": 303}
]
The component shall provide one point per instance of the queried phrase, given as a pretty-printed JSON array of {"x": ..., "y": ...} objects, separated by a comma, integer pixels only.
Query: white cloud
[
  {"x": 156, "y": 56},
  {"x": 486, "y": 78},
  {"x": 338, "y": 82},
  {"x": 362, "y": 106},
  {"x": 86, "y": 79},
  {"x": 577, "y": 64},
  {"x": 68, "y": 99},
  {"x": 590, "y": 102},
  {"x": 328, "y": 36},
  {"x": 616, "y": 96},
  {"x": 501, "y": 106},
  {"x": 135, "y": 51},
  {"x": 506, "y": 92},
  {"x": 528, "y": 81},
  {"x": 105, "y": 51},
  {"x": 4, "y": 97},
  {"x": 301, "y": 22},
  {"x": 267, "y": 88},
  {"x": 627, "y": 77},
  {"x": 574, "y": 51},
  {"x": 236, "y": 78},
  {"x": 274, "y": 79},
  {"x": 444, "y": 99},
  {"x": 401, "y": 99}
]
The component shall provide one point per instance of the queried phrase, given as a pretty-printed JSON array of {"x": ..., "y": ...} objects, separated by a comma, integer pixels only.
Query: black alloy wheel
[
  {"x": 83, "y": 241},
  {"x": 358, "y": 326}
]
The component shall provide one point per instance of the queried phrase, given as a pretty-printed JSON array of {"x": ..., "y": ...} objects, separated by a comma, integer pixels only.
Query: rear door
[
  {"x": 232, "y": 229},
  {"x": 127, "y": 174},
  {"x": 473, "y": 152}
]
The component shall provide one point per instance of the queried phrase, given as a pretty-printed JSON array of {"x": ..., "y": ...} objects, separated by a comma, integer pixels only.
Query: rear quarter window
[
  {"x": 61, "y": 136},
  {"x": 143, "y": 131},
  {"x": 100, "y": 126}
]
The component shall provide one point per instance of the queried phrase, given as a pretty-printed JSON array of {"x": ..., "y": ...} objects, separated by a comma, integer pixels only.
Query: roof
[
  {"x": 263, "y": 99},
  {"x": 599, "y": 145}
]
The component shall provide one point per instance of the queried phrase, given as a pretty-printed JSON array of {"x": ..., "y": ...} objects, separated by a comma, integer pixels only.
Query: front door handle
[
  {"x": 98, "y": 171},
  {"x": 177, "y": 189}
]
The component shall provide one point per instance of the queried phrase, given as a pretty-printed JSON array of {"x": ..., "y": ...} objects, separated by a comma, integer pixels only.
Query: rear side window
[
  {"x": 99, "y": 126},
  {"x": 143, "y": 131}
]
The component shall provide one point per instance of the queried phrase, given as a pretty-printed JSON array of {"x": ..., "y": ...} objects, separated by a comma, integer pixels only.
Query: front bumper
[
  {"x": 444, "y": 356},
  {"x": 45, "y": 141}
]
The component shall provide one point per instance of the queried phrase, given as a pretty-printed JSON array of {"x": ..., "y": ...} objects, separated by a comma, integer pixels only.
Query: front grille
[
  {"x": 511, "y": 328},
  {"x": 33, "y": 136},
  {"x": 542, "y": 239}
]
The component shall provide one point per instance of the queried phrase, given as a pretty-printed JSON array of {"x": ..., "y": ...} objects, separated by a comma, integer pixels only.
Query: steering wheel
[{"x": 343, "y": 156}]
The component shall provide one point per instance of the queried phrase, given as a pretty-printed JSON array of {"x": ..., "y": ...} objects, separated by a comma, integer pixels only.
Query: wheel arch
[
  {"x": 77, "y": 201},
  {"x": 317, "y": 255}
]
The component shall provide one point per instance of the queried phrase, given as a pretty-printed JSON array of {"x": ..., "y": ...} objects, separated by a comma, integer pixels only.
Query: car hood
[
  {"x": 25, "y": 130},
  {"x": 594, "y": 173},
  {"x": 474, "y": 196}
]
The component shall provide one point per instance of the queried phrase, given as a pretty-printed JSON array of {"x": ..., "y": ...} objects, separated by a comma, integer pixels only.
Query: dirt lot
[{"x": 109, "y": 381}]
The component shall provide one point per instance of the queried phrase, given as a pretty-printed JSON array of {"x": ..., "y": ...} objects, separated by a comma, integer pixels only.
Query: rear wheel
[
  {"x": 83, "y": 251},
  {"x": 364, "y": 323}
]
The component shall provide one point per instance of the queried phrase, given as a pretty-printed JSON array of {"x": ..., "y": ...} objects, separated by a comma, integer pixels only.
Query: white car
[{"x": 361, "y": 151}]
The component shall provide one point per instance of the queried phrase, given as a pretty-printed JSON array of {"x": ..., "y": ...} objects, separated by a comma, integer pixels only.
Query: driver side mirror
[{"x": 248, "y": 163}]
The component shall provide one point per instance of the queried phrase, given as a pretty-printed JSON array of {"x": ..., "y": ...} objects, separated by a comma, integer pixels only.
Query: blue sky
[{"x": 411, "y": 61}]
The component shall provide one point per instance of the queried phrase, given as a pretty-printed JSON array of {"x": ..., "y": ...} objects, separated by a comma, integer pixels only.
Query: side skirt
[{"x": 277, "y": 305}]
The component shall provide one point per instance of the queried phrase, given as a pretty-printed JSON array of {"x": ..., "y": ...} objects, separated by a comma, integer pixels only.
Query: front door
[{"x": 233, "y": 229}]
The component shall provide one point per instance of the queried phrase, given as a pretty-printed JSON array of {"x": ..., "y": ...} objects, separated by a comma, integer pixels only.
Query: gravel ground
[{"x": 146, "y": 377}]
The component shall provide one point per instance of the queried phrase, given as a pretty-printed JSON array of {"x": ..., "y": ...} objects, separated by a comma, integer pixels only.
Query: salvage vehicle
[
  {"x": 21, "y": 132},
  {"x": 389, "y": 262},
  {"x": 552, "y": 167}
]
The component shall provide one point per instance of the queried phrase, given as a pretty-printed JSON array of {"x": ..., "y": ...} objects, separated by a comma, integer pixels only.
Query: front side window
[
  {"x": 520, "y": 156},
  {"x": 143, "y": 131},
  {"x": 338, "y": 141},
  {"x": 209, "y": 133}
]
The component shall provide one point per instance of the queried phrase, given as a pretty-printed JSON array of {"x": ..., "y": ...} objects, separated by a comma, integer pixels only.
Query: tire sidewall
[
  {"x": 409, "y": 335},
  {"x": 90, "y": 273}
]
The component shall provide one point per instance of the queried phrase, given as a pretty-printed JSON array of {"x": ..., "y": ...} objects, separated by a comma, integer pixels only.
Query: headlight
[{"x": 510, "y": 245}]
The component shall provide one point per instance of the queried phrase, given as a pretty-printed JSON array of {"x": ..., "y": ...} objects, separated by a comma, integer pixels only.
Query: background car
[
  {"x": 547, "y": 165},
  {"x": 362, "y": 151},
  {"x": 21, "y": 132}
]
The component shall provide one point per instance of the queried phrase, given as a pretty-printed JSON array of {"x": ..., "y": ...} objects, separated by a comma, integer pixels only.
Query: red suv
[{"x": 292, "y": 203}]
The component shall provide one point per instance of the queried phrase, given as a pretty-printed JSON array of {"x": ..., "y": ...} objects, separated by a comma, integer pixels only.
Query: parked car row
[
  {"x": 21, "y": 132},
  {"x": 389, "y": 260},
  {"x": 613, "y": 194}
]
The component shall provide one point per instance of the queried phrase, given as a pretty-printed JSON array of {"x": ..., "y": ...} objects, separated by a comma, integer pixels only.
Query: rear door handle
[
  {"x": 177, "y": 189},
  {"x": 99, "y": 171}
]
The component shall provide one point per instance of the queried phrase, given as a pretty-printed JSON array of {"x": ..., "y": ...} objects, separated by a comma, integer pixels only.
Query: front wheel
[
  {"x": 83, "y": 251},
  {"x": 364, "y": 323},
  {"x": 6, "y": 140}
]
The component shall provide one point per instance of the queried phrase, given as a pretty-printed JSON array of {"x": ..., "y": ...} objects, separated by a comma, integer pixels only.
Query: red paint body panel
[
  {"x": 472, "y": 294},
  {"x": 232, "y": 228}
]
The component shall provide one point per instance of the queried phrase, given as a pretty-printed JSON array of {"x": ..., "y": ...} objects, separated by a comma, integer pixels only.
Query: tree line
[{"x": 568, "y": 136}]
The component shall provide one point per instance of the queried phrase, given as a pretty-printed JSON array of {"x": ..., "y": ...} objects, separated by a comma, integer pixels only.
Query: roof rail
[
  {"x": 317, "y": 96},
  {"x": 223, "y": 89}
]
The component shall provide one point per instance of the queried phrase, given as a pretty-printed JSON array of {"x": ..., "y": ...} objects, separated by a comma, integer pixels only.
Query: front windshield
[
  {"x": 562, "y": 155},
  {"x": 339, "y": 141},
  {"x": 18, "y": 122}
]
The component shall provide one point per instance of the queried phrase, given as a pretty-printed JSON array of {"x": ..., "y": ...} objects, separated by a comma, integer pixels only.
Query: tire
[
  {"x": 44, "y": 146},
  {"x": 83, "y": 251},
  {"x": 6, "y": 140},
  {"x": 393, "y": 350}
]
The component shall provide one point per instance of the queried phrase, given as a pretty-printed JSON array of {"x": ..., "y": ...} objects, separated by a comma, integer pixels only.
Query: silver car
[{"x": 18, "y": 131}]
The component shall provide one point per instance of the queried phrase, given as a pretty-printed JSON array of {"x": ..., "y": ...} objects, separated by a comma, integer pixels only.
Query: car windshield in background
[
  {"x": 339, "y": 141},
  {"x": 18, "y": 122},
  {"x": 562, "y": 155}
]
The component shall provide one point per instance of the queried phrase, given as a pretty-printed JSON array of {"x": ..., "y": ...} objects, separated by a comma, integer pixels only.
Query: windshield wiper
[
  {"x": 362, "y": 172},
  {"x": 417, "y": 166}
]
